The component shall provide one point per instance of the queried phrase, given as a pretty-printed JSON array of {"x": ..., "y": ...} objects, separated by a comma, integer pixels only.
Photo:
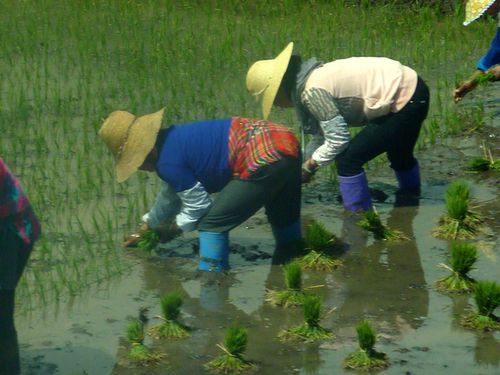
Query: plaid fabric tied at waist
[{"x": 256, "y": 143}]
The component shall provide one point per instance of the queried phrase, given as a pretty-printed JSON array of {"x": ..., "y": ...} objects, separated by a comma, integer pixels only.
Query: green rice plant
[
  {"x": 462, "y": 259},
  {"x": 366, "y": 357},
  {"x": 310, "y": 330},
  {"x": 148, "y": 240},
  {"x": 139, "y": 354},
  {"x": 487, "y": 298},
  {"x": 372, "y": 223},
  {"x": 171, "y": 307},
  {"x": 317, "y": 240},
  {"x": 232, "y": 361},
  {"x": 485, "y": 163},
  {"x": 459, "y": 222},
  {"x": 293, "y": 294}
]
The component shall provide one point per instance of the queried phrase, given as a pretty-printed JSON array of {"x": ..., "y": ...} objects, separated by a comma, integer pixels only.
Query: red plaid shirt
[
  {"x": 255, "y": 143},
  {"x": 15, "y": 209}
]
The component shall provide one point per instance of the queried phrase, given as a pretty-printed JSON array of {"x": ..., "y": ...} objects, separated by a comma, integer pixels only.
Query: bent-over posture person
[
  {"x": 251, "y": 163},
  {"x": 488, "y": 67},
  {"x": 389, "y": 99},
  {"x": 19, "y": 229}
]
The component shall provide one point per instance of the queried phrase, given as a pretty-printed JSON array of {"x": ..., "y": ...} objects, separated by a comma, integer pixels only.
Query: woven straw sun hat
[
  {"x": 475, "y": 9},
  {"x": 264, "y": 78},
  {"x": 130, "y": 139}
]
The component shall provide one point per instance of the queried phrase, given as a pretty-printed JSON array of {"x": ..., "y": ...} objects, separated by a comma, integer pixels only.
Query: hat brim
[
  {"x": 280, "y": 65},
  {"x": 474, "y": 15},
  {"x": 139, "y": 144}
]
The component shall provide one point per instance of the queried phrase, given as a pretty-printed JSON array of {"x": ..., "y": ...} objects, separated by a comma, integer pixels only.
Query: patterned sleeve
[
  {"x": 7, "y": 192},
  {"x": 336, "y": 134}
]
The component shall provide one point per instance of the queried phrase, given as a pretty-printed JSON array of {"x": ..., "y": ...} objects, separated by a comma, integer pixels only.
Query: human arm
[
  {"x": 335, "y": 132},
  {"x": 479, "y": 76},
  {"x": 160, "y": 217}
]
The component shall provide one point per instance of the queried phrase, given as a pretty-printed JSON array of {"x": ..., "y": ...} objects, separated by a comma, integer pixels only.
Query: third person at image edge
[
  {"x": 488, "y": 68},
  {"x": 390, "y": 100}
]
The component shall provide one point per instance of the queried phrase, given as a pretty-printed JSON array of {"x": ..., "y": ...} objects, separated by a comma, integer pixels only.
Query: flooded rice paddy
[{"x": 389, "y": 283}]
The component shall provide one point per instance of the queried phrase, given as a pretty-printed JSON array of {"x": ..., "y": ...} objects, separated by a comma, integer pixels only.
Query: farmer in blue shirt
[
  {"x": 488, "y": 66},
  {"x": 250, "y": 163}
]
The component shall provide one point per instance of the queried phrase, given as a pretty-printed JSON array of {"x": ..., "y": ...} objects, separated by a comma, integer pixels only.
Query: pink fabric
[{"x": 383, "y": 85}]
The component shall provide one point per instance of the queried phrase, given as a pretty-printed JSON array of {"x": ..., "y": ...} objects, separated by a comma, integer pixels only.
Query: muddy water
[{"x": 390, "y": 284}]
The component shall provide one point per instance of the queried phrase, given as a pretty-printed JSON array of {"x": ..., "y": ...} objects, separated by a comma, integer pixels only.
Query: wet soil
[{"x": 389, "y": 283}]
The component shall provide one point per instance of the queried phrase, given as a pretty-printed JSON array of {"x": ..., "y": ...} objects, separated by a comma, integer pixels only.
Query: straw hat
[
  {"x": 264, "y": 78},
  {"x": 130, "y": 139},
  {"x": 475, "y": 9}
]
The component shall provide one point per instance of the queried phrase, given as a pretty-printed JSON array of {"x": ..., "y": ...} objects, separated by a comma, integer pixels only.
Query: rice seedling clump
[
  {"x": 317, "y": 241},
  {"x": 487, "y": 298},
  {"x": 458, "y": 222},
  {"x": 232, "y": 361},
  {"x": 139, "y": 354},
  {"x": 171, "y": 307},
  {"x": 293, "y": 294},
  {"x": 366, "y": 357},
  {"x": 462, "y": 259},
  {"x": 148, "y": 240},
  {"x": 372, "y": 223},
  {"x": 310, "y": 330}
]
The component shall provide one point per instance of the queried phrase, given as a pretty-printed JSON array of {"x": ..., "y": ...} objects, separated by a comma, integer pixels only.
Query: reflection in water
[
  {"x": 487, "y": 350},
  {"x": 385, "y": 280}
]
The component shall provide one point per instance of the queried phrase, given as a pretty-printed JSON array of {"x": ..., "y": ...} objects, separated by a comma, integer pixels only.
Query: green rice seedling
[
  {"x": 485, "y": 163},
  {"x": 310, "y": 330},
  {"x": 148, "y": 240},
  {"x": 293, "y": 294},
  {"x": 366, "y": 357},
  {"x": 232, "y": 361},
  {"x": 487, "y": 298},
  {"x": 171, "y": 308},
  {"x": 139, "y": 354},
  {"x": 372, "y": 223},
  {"x": 462, "y": 259},
  {"x": 317, "y": 240},
  {"x": 458, "y": 222}
]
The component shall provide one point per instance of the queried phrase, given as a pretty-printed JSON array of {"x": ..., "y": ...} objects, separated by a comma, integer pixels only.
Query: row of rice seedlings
[
  {"x": 139, "y": 354},
  {"x": 487, "y": 298},
  {"x": 463, "y": 256},
  {"x": 310, "y": 330},
  {"x": 371, "y": 222},
  {"x": 485, "y": 163},
  {"x": 366, "y": 357},
  {"x": 293, "y": 294},
  {"x": 171, "y": 327},
  {"x": 318, "y": 241},
  {"x": 459, "y": 222}
]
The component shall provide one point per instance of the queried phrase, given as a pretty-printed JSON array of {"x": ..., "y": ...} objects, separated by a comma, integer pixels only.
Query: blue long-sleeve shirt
[{"x": 492, "y": 57}]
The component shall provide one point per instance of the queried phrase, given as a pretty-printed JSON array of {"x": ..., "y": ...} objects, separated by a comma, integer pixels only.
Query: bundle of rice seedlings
[
  {"x": 310, "y": 330},
  {"x": 366, "y": 357},
  {"x": 458, "y": 222},
  {"x": 139, "y": 354},
  {"x": 148, "y": 240},
  {"x": 463, "y": 257},
  {"x": 317, "y": 241},
  {"x": 171, "y": 308},
  {"x": 232, "y": 361},
  {"x": 487, "y": 298},
  {"x": 293, "y": 295},
  {"x": 372, "y": 223}
]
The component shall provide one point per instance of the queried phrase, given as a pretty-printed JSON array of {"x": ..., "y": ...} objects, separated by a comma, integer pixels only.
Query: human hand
[
  {"x": 169, "y": 232},
  {"x": 462, "y": 89},
  {"x": 309, "y": 168},
  {"x": 132, "y": 239}
]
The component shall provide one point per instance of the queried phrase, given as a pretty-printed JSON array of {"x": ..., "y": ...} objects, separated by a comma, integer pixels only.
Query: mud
[{"x": 390, "y": 284}]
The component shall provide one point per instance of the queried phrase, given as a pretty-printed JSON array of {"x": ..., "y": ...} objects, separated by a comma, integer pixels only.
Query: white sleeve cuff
[
  {"x": 337, "y": 137},
  {"x": 166, "y": 206},
  {"x": 195, "y": 203}
]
